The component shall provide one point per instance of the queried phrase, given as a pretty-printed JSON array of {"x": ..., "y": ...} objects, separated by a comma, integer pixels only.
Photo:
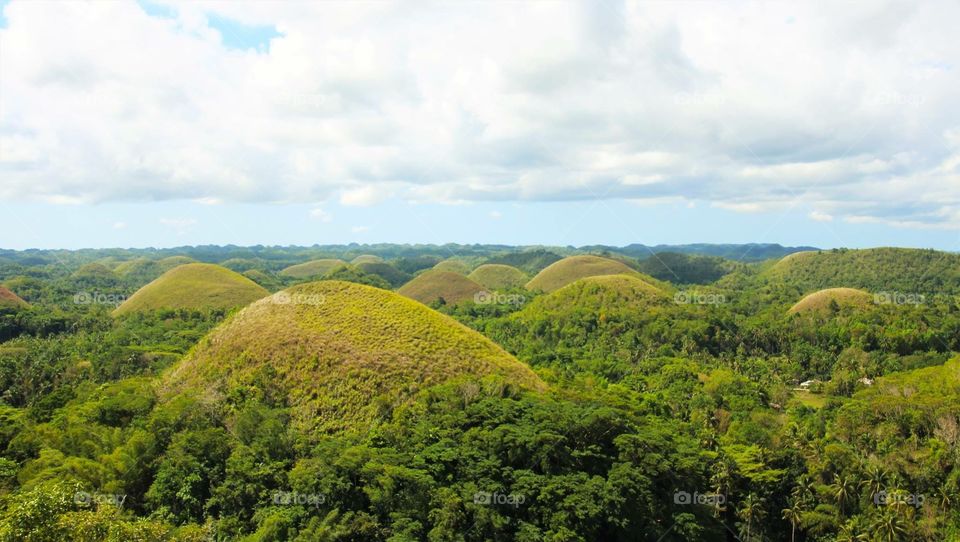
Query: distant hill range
[{"x": 749, "y": 252}]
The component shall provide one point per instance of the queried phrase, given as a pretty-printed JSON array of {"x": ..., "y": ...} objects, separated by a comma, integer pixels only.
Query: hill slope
[
  {"x": 496, "y": 276},
  {"x": 194, "y": 286},
  {"x": 877, "y": 270},
  {"x": 340, "y": 353},
  {"x": 602, "y": 292},
  {"x": 10, "y": 300},
  {"x": 454, "y": 266},
  {"x": 313, "y": 268},
  {"x": 823, "y": 300},
  {"x": 432, "y": 285},
  {"x": 569, "y": 270}
]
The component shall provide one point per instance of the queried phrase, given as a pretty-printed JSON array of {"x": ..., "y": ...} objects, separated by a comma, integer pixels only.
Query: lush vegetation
[{"x": 613, "y": 407}]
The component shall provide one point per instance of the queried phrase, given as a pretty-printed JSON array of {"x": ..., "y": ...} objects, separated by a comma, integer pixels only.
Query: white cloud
[
  {"x": 119, "y": 225},
  {"x": 572, "y": 100},
  {"x": 360, "y": 229},
  {"x": 496, "y": 215},
  {"x": 364, "y": 196},
  {"x": 820, "y": 216}
]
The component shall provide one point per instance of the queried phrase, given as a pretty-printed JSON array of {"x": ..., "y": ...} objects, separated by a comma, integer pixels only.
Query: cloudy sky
[{"x": 171, "y": 123}]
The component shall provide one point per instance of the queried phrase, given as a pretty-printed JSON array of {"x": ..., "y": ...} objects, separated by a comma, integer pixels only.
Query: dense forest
[{"x": 813, "y": 396}]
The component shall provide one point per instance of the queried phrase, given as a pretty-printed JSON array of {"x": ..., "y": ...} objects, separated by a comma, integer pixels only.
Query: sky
[{"x": 136, "y": 124}]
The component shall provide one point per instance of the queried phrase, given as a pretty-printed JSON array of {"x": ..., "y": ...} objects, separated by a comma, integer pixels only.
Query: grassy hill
[
  {"x": 366, "y": 258},
  {"x": 194, "y": 286},
  {"x": 386, "y": 271},
  {"x": 877, "y": 270},
  {"x": 168, "y": 263},
  {"x": 498, "y": 276},
  {"x": 687, "y": 268},
  {"x": 432, "y": 285},
  {"x": 10, "y": 300},
  {"x": 602, "y": 292},
  {"x": 263, "y": 279},
  {"x": 833, "y": 298},
  {"x": 313, "y": 268},
  {"x": 569, "y": 270},
  {"x": 342, "y": 354},
  {"x": 454, "y": 266},
  {"x": 94, "y": 271},
  {"x": 530, "y": 262}
]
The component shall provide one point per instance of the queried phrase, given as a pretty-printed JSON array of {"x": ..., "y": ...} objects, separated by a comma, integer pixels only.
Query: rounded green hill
[
  {"x": 10, "y": 300},
  {"x": 366, "y": 258},
  {"x": 824, "y": 300},
  {"x": 603, "y": 292},
  {"x": 454, "y": 266},
  {"x": 313, "y": 268},
  {"x": 170, "y": 262},
  {"x": 340, "y": 353},
  {"x": 386, "y": 271},
  {"x": 497, "y": 276},
  {"x": 433, "y": 285},
  {"x": 194, "y": 286},
  {"x": 573, "y": 268},
  {"x": 905, "y": 270},
  {"x": 94, "y": 270}
]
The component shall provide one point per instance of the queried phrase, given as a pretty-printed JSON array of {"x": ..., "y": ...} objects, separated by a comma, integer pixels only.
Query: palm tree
[
  {"x": 844, "y": 489},
  {"x": 888, "y": 526},
  {"x": 793, "y": 513},
  {"x": 750, "y": 511},
  {"x": 875, "y": 481},
  {"x": 804, "y": 490},
  {"x": 852, "y": 532}
]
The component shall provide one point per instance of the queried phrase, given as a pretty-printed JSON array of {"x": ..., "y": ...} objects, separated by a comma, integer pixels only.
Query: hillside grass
[
  {"x": 433, "y": 285},
  {"x": 903, "y": 270},
  {"x": 366, "y": 258},
  {"x": 454, "y": 266},
  {"x": 10, "y": 300},
  {"x": 313, "y": 268},
  {"x": 825, "y": 300},
  {"x": 573, "y": 268},
  {"x": 341, "y": 354},
  {"x": 386, "y": 271},
  {"x": 194, "y": 286},
  {"x": 498, "y": 276}
]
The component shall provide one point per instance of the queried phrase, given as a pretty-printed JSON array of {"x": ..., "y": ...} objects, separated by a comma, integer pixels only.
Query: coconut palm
[
  {"x": 844, "y": 489},
  {"x": 751, "y": 511},
  {"x": 889, "y": 527},
  {"x": 793, "y": 514},
  {"x": 875, "y": 480}
]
